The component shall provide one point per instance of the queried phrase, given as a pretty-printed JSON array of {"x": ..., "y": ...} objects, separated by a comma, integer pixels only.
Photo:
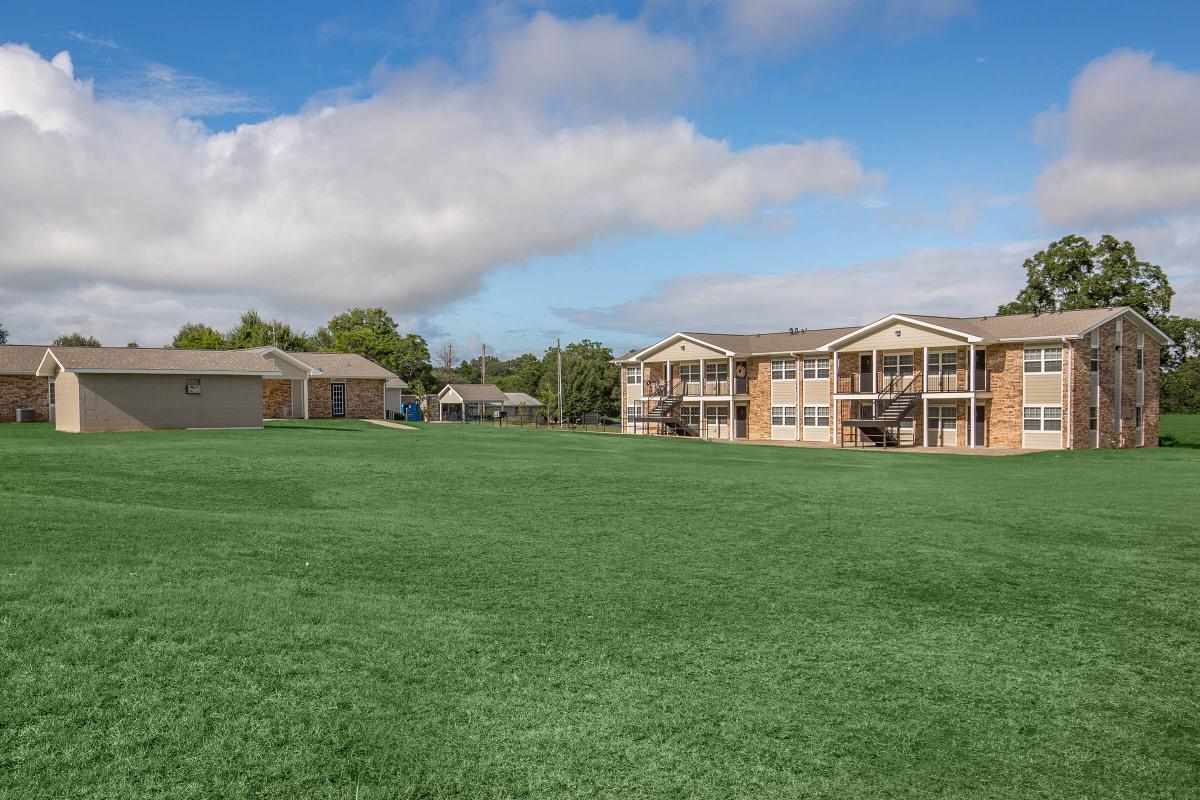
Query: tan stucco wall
[
  {"x": 132, "y": 402},
  {"x": 66, "y": 402},
  {"x": 911, "y": 337},
  {"x": 684, "y": 351}
]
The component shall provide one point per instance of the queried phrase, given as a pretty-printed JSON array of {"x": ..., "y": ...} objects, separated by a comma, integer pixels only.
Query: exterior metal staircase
[
  {"x": 665, "y": 412},
  {"x": 897, "y": 398}
]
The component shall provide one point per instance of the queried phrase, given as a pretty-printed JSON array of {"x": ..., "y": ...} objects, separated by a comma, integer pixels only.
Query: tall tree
[
  {"x": 198, "y": 336},
  {"x": 1185, "y": 332},
  {"x": 591, "y": 384},
  {"x": 254, "y": 331},
  {"x": 520, "y": 374},
  {"x": 1073, "y": 273},
  {"x": 1181, "y": 389},
  {"x": 3, "y": 335},
  {"x": 76, "y": 340},
  {"x": 370, "y": 332},
  {"x": 443, "y": 361},
  {"x": 413, "y": 363}
]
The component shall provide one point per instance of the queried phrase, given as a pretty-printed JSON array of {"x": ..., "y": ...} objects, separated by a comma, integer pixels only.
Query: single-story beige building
[
  {"x": 130, "y": 389},
  {"x": 461, "y": 401}
]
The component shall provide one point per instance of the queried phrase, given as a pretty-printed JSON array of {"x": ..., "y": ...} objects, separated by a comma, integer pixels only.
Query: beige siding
[
  {"x": 1043, "y": 389},
  {"x": 911, "y": 337},
  {"x": 783, "y": 393},
  {"x": 684, "y": 351},
  {"x": 288, "y": 370},
  {"x": 816, "y": 392},
  {"x": 816, "y": 434},
  {"x": 130, "y": 402},
  {"x": 1043, "y": 440},
  {"x": 66, "y": 402}
]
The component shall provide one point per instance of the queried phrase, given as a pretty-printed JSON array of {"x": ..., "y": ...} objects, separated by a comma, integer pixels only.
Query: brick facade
[
  {"x": 24, "y": 391},
  {"x": 758, "y": 403},
  {"x": 1005, "y": 413},
  {"x": 277, "y": 398},
  {"x": 364, "y": 398},
  {"x": 1153, "y": 391}
]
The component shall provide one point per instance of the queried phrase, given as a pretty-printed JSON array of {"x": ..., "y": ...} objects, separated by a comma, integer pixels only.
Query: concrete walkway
[{"x": 389, "y": 424}]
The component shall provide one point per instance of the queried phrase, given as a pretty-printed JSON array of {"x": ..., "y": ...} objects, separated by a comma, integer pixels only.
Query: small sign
[{"x": 193, "y": 388}]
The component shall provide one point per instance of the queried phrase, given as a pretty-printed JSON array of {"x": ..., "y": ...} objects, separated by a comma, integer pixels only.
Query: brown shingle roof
[
  {"x": 21, "y": 359},
  {"x": 145, "y": 358},
  {"x": 478, "y": 392},
  {"x": 344, "y": 365},
  {"x": 766, "y": 343},
  {"x": 1059, "y": 323}
]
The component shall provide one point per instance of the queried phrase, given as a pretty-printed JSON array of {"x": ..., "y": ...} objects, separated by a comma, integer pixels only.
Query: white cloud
[
  {"x": 406, "y": 198},
  {"x": 99, "y": 41},
  {"x": 1129, "y": 139},
  {"x": 753, "y": 26},
  {"x": 960, "y": 282}
]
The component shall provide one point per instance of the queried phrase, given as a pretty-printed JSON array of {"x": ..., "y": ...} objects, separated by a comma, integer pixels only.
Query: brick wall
[
  {"x": 1129, "y": 383},
  {"x": 318, "y": 398},
  {"x": 1079, "y": 379},
  {"x": 24, "y": 391},
  {"x": 1005, "y": 417},
  {"x": 758, "y": 411},
  {"x": 1107, "y": 375},
  {"x": 277, "y": 398},
  {"x": 1153, "y": 391},
  {"x": 364, "y": 398}
]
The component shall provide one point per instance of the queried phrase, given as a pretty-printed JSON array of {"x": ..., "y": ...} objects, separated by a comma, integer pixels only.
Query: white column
[
  {"x": 667, "y": 372},
  {"x": 925, "y": 371},
  {"x": 971, "y": 419},
  {"x": 306, "y": 397},
  {"x": 799, "y": 407},
  {"x": 730, "y": 422},
  {"x": 703, "y": 377},
  {"x": 874, "y": 380},
  {"x": 925, "y": 420},
  {"x": 833, "y": 412},
  {"x": 971, "y": 368}
]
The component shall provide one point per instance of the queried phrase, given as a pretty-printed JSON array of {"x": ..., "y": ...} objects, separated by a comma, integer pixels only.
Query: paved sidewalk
[{"x": 389, "y": 424}]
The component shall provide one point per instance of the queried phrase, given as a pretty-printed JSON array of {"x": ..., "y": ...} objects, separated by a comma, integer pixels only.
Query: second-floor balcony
[{"x": 933, "y": 383}]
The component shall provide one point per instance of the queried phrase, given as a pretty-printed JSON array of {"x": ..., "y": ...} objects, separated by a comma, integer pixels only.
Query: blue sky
[{"x": 966, "y": 134}]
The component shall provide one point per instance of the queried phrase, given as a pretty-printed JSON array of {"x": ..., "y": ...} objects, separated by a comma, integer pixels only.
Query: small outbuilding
[
  {"x": 130, "y": 388},
  {"x": 520, "y": 404},
  {"x": 462, "y": 401}
]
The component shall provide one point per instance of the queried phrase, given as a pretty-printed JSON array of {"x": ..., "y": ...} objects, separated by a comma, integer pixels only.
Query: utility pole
[
  {"x": 483, "y": 365},
  {"x": 558, "y": 346}
]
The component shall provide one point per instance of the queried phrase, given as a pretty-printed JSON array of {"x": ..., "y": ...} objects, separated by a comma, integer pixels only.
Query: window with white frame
[
  {"x": 816, "y": 416},
  {"x": 1095, "y": 359},
  {"x": 943, "y": 363},
  {"x": 633, "y": 373},
  {"x": 1043, "y": 418},
  {"x": 1043, "y": 359},
  {"x": 689, "y": 373},
  {"x": 899, "y": 364},
  {"x": 690, "y": 415},
  {"x": 1093, "y": 418},
  {"x": 783, "y": 369},
  {"x": 783, "y": 415},
  {"x": 51, "y": 391},
  {"x": 632, "y": 411},
  {"x": 816, "y": 367},
  {"x": 717, "y": 416},
  {"x": 716, "y": 371},
  {"x": 1141, "y": 355},
  {"x": 1137, "y": 417}
]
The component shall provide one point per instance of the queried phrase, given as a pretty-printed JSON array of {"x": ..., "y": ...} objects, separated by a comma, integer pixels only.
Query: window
[
  {"x": 690, "y": 414},
  {"x": 783, "y": 415},
  {"x": 689, "y": 373},
  {"x": 816, "y": 416},
  {"x": 1093, "y": 419},
  {"x": 784, "y": 369},
  {"x": 1044, "y": 359},
  {"x": 632, "y": 411},
  {"x": 942, "y": 417},
  {"x": 716, "y": 372},
  {"x": 1043, "y": 418},
  {"x": 898, "y": 365},
  {"x": 1095, "y": 359},
  {"x": 633, "y": 374},
  {"x": 863, "y": 409},
  {"x": 943, "y": 363},
  {"x": 816, "y": 368},
  {"x": 1141, "y": 354},
  {"x": 1137, "y": 416},
  {"x": 717, "y": 416},
  {"x": 51, "y": 391}
]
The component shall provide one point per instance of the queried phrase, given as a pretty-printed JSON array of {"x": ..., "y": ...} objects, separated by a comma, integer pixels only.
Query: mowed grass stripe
[{"x": 329, "y": 608}]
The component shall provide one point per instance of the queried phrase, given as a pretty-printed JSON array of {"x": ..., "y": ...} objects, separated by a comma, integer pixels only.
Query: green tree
[
  {"x": 1181, "y": 389},
  {"x": 1185, "y": 332},
  {"x": 413, "y": 364},
  {"x": 1073, "y": 273},
  {"x": 591, "y": 384},
  {"x": 76, "y": 340},
  {"x": 198, "y": 336},
  {"x": 521, "y": 374},
  {"x": 3, "y": 335},
  {"x": 370, "y": 332},
  {"x": 131, "y": 344},
  {"x": 254, "y": 331}
]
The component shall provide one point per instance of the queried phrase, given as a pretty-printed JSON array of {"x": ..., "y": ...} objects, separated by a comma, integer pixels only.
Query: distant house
[
  {"x": 521, "y": 404},
  {"x": 20, "y": 385},
  {"x": 323, "y": 385},
  {"x": 462, "y": 401}
]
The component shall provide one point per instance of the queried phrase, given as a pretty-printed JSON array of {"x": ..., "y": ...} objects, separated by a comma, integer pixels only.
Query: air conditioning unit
[{"x": 26, "y": 415}]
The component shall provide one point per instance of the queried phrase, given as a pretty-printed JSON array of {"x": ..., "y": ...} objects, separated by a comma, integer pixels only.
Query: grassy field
[{"x": 333, "y": 609}]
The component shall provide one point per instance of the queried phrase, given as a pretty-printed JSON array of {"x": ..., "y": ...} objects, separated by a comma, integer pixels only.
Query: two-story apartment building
[{"x": 1071, "y": 380}]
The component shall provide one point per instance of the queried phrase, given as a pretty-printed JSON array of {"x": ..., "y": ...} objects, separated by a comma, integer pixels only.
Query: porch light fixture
[{"x": 898, "y": 331}]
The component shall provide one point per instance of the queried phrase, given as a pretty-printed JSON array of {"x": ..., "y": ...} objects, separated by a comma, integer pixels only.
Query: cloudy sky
[{"x": 511, "y": 172}]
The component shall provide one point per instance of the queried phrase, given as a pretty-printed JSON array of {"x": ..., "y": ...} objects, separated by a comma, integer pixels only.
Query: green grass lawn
[
  {"x": 333, "y": 609},
  {"x": 1184, "y": 427}
]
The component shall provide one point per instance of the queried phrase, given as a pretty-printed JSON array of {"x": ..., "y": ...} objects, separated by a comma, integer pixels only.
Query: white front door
[{"x": 337, "y": 399}]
